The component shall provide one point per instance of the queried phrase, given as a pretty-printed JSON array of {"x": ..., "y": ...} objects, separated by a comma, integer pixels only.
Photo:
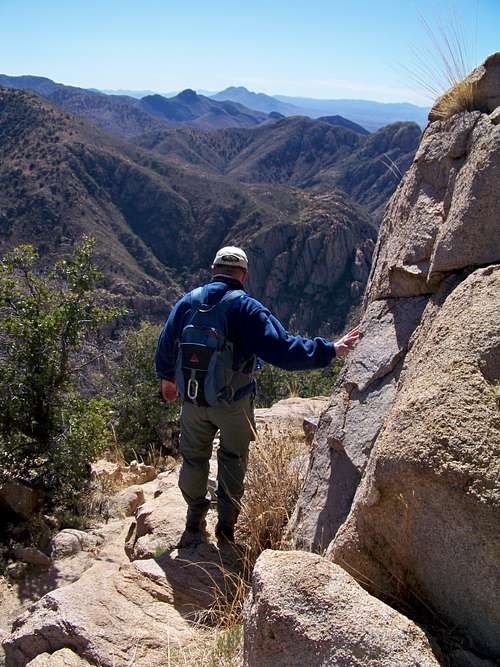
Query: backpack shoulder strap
[
  {"x": 229, "y": 298},
  {"x": 197, "y": 297}
]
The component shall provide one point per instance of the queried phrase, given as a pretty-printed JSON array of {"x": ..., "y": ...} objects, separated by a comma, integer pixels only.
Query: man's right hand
[
  {"x": 348, "y": 341},
  {"x": 168, "y": 390}
]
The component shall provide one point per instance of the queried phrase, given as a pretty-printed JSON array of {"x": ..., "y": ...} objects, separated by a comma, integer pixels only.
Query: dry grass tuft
[
  {"x": 272, "y": 485},
  {"x": 440, "y": 69},
  {"x": 458, "y": 98}
]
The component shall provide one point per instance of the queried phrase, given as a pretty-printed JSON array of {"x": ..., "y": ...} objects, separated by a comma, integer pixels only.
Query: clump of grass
[
  {"x": 460, "y": 97},
  {"x": 272, "y": 485},
  {"x": 441, "y": 69}
]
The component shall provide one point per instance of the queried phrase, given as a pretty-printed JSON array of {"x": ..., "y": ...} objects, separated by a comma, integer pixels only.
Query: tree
[{"x": 48, "y": 432}]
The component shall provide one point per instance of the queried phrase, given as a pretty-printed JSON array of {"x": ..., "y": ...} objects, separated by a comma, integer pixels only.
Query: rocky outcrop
[
  {"x": 425, "y": 519},
  {"x": 305, "y": 610},
  {"x": 353, "y": 419},
  {"x": 119, "y": 613},
  {"x": 480, "y": 89},
  {"x": 117, "y": 475},
  {"x": 444, "y": 217},
  {"x": 403, "y": 477}
]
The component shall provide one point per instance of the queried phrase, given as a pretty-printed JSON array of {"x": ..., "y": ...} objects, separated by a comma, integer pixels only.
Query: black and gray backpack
[{"x": 205, "y": 373}]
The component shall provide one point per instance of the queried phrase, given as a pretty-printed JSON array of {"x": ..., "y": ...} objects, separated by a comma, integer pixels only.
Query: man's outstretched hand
[
  {"x": 344, "y": 344},
  {"x": 168, "y": 390}
]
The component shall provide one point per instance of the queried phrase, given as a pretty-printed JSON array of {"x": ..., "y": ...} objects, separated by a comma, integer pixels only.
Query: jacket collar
[{"x": 230, "y": 282}]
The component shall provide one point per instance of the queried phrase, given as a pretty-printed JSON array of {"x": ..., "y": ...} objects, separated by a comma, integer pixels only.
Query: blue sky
[{"x": 315, "y": 48}]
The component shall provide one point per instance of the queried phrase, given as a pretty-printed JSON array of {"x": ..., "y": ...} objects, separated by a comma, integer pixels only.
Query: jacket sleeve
[
  {"x": 270, "y": 341},
  {"x": 166, "y": 348}
]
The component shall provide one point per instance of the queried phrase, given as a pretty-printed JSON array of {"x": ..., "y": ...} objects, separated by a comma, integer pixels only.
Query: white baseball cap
[{"x": 231, "y": 256}]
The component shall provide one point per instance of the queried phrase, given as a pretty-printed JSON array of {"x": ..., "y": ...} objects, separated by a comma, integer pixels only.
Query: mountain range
[
  {"x": 158, "y": 223},
  {"x": 129, "y": 116},
  {"x": 314, "y": 155},
  {"x": 371, "y": 115},
  {"x": 303, "y": 196}
]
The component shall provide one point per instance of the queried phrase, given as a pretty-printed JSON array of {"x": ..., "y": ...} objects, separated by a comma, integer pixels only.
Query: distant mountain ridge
[
  {"x": 370, "y": 115},
  {"x": 129, "y": 117}
]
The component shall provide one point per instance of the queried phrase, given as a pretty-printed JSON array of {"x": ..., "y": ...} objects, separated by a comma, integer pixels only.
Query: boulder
[
  {"x": 305, "y": 610},
  {"x": 138, "y": 473},
  {"x": 444, "y": 215},
  {"x": 137, "y": 613},
  {"x": 116, "y": 475},
  {"x": 102, "y": 618},
  {"x": 18, "y": 498},
  {"x": 127, "y": 501},
  {"x": 424, "y": 523},
  {"x": 65, "y": 657},
  {"x": 70, "y": 541},
  {"x": 291, "y": 411},
  {"x": 32, "y": 556},
  {"x": 484, "y": 84},
  {"x": 159, "y": 525},
  {"x": 106, "y": 472}
]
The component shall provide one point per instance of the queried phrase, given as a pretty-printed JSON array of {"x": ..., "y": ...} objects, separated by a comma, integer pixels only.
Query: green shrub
[
  {"x": 48, "y": 433},
  {"x": 143, "y": 422}
]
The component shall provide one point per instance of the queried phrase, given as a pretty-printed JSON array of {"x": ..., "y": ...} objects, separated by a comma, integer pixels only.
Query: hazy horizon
[{"x": 328, "y": 50}]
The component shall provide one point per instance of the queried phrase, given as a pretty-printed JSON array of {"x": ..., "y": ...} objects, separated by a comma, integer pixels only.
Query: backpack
[{"x": 204, "y": 371}]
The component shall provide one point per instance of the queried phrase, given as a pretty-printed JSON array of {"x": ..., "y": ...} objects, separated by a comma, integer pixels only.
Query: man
[{"x": 255, "y": 334}]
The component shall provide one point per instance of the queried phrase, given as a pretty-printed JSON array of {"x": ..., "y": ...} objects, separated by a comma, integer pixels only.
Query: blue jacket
[{"x": 253, "y": 331}]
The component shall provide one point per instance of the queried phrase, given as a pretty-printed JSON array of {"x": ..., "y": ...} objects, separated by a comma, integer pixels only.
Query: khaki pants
[{"x": 198, "y": 428}]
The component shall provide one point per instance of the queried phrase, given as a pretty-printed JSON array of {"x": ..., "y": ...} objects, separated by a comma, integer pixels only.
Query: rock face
[
  {"x": 425, "y": 520},
  {"x": 444, "y": 216},
  {"x": 403, "y": 477},
  {"x": 304, "y": 610}
]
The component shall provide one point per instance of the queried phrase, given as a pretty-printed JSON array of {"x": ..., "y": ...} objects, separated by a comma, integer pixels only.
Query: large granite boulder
[
  {"x": 403, "y": 475},
  {"x": 304, "y": 610},
  {"x": 444, "y": 215},
  {"x": 425, "y": 519}
]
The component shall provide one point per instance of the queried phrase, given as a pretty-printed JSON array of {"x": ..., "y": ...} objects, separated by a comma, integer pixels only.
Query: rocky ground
[{"x": 125, "y": 593}]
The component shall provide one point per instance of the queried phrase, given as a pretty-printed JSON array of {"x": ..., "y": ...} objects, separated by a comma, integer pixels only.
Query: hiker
[{"x": 208, "y": 352}]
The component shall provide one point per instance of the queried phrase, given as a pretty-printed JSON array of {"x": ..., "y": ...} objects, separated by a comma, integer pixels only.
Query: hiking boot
[
  {"x": 196, "y": 522},
  {"x": 224, "y": 533}
]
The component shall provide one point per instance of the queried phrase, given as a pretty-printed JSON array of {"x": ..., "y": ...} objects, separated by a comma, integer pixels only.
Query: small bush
[
  {"x": 143, "y": 422},
  {"x": 48, "y": 433}
]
